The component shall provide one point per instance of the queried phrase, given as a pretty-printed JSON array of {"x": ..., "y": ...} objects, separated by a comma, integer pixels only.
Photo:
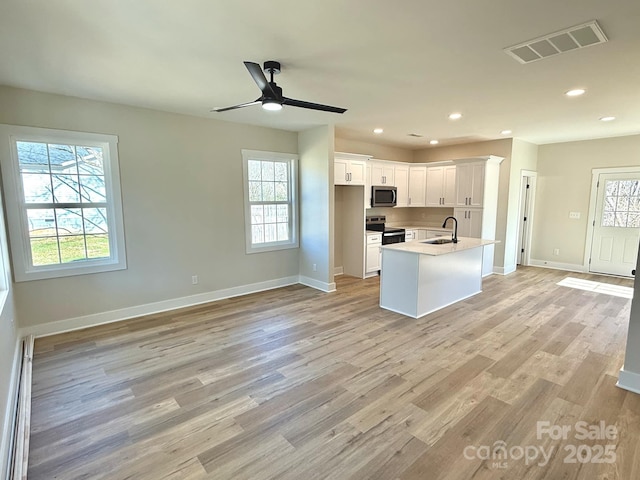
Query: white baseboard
[
  {"x": 629, "y": 381},
  {"x": 504, "y": 270},
  {"x": 338, "y": 271},
  {"x": 10, "y": 412},
  {"x": 317, "y": 284},
  {"x": 101, "y": 318},
  {"x": 569, "y": 267}
]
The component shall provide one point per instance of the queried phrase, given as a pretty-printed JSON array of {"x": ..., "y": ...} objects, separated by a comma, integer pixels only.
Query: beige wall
[
  {"x": 381, "y": 152},
  {"x": 501, "y": 148},
  {"x": 524, "y": 156},
  {"x": 564, "y": 185},
  {"x": 183, "y": 206},
  {"x": 316, "y": 148}
]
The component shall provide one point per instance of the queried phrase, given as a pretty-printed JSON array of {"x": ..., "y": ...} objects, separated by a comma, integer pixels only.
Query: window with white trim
[
  {"x": 270, "y": 198},
  {"x": 63, "y": 202}
]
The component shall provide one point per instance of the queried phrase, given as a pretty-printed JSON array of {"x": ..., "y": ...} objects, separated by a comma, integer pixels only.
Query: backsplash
[{"x": 412, "y": 215}]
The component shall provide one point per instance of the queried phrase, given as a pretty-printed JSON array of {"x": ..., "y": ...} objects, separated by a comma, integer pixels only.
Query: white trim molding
[
  {"x": 338, "y": 271},
  {"x": 629, "y": 381},
  {"x": 503, "y": 270},
  {"x": 570, "y": 267},
  {"x": 78, "y": 323},
  {"x": 317, "y": 284},
  {"x": 10, "y": 412}
]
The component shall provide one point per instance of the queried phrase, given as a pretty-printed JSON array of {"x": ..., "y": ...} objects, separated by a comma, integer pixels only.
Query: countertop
[
  {"x": 421, "y": 248},
  {"x": 413, "y": 226}
]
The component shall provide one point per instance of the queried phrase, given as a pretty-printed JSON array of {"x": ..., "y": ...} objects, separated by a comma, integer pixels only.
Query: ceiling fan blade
[
  {"x": 242, "y": 105},
  {"x": 312, "y": 106},
  {"x": 258, "y": 76}
]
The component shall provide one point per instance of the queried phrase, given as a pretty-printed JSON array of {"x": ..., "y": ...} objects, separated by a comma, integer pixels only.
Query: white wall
[
  {"x": 316, "y": 151},
  {"x": 564, "y": 185},
  {"x": 183, "y": 206}
]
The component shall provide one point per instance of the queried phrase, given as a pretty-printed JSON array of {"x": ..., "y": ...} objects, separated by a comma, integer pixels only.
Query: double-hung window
[
  {"x": 63, "y": 202},
  {"x": 270, "y": 198}
]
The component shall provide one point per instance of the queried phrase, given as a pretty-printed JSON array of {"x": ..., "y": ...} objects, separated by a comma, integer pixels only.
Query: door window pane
[{"x": 621, "y": 197}]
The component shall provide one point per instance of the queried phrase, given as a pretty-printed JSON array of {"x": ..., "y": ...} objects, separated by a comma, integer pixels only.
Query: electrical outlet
[
  {"x": 194, "y": 280},
  {"x": 574, "y": 215},
  {"x": 315, "y": 267},
  {"x": 556, "y": 251}
]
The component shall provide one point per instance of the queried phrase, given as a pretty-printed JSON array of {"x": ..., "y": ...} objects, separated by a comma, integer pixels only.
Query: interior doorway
[
  {"x": 616, "y": 223},
  {"x": 527, "y": 199}
]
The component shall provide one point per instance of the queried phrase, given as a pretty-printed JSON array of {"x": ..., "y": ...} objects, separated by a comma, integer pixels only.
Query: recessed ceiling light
[
  {"x": 455, "y": 116},
  {"x": 505, "y": 132},
  {"x": 576, "y": 92},
  {"x": 378, "y": 130},
  {"x": 607, "y": 119},
  {"x": 434, "y": 142}
]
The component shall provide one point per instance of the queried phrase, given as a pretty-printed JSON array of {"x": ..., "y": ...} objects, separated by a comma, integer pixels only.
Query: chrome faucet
[{"x": 454, "y": 236}]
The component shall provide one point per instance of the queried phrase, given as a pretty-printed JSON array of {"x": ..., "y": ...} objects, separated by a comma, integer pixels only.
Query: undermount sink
[{"x": 438, "y": 241}]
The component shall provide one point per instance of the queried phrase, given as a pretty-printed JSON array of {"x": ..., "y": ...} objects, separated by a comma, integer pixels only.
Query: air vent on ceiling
[
  {"x": 580, "y": 36},
  {"x": 417, "y": 135}
]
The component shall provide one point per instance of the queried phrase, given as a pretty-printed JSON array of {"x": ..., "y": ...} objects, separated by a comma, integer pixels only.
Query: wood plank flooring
[{"x": 297, "y": 384}]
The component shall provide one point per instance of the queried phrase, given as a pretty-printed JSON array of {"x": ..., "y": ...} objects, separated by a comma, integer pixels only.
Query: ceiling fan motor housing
[{"x": 272, "y": 67}]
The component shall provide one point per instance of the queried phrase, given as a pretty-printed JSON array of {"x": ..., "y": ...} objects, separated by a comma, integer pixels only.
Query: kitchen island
[{"x": 418, "y": 278}]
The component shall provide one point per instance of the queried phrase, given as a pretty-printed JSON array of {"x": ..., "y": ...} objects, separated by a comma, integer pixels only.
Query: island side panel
[
  {"x": 447, "y": 279},
  {"x": 399, "y": 282}
]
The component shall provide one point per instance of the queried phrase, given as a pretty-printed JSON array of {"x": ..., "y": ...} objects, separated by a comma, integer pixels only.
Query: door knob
[{"x": 633, "y": 272}]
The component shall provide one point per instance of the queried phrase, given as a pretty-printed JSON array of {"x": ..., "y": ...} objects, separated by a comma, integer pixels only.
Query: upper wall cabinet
[
  {"x": 382, "y": 173},
  {"x": 401, "y": 174},
  {"x": 441, "y": 186},
  {"x": 349, "y": 169},
  {"x": 470, "y": 184},
  {"x": 417, "y": 186}
]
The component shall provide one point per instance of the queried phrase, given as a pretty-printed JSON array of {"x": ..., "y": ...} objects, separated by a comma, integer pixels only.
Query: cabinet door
[
  {"x": 435, "y": 181},
  {"x": 475, "y": 223},
  {"x": 340, "y": 172},
  {"x": 373, "y": 258},
  {"x": 417, "y": 186},
  {"x": 401, "y": 179},
  {"x": 358, "y": 172},
  {"x": 421, "y": 234},
  {"x": 477, "y": 185},
  {"x": 469, "y": 222},
  {"x": 388, "y": 175},
  {"x": 377, "y": 174},
  {"x": 449, "y": 186},
  {"x": 470, "y": 185}
]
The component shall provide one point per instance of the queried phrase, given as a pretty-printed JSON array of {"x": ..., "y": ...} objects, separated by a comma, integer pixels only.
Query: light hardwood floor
[{"x": 296, "y": 384}]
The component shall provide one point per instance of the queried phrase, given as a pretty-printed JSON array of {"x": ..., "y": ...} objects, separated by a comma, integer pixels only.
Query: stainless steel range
[{"x": 376, "y": 223}]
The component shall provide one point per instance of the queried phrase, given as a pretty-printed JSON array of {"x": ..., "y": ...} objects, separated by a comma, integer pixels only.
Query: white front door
[{"x": 616, "y": 229}]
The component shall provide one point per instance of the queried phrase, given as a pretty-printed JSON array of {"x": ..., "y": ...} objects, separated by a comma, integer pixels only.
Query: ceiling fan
[{"x": 272, "y": 98}]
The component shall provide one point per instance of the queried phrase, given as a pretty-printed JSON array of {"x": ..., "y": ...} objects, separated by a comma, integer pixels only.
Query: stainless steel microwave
[{"x": 384, "y": 196}]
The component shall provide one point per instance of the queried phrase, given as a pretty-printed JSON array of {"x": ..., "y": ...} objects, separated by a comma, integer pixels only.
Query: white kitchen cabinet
[
  {"x": 441, "y": 186},
  {"x": 374, "y": 254},
  {"x": 401, "y": 178},
  {"x": 421, "y": 234},
  {"x": 349, "y": 169},
  {"x": 469, "y": 222},
  {"x": 409, "y": 235},
  {"x": 470, "y": 179},
  {"x": 382, "y": 173},
  {"x": 417, "y": 185}
]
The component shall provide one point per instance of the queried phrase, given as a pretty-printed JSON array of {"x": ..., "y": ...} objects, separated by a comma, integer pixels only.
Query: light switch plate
[{"x": 574, "y": 215}]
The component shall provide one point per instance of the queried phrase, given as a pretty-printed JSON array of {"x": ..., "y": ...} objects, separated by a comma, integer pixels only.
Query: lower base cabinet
[{"x": 374, "y": 254}]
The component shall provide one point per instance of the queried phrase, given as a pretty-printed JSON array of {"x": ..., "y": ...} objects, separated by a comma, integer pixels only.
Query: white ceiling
[{"x": 400, "y": 65}]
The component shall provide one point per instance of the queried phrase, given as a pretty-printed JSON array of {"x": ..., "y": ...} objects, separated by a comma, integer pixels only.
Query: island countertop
[{"x": 421, "y": 248}]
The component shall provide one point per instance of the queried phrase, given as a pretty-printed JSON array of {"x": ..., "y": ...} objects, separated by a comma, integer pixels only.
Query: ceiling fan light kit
[{"x": 272, "y": 98}]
